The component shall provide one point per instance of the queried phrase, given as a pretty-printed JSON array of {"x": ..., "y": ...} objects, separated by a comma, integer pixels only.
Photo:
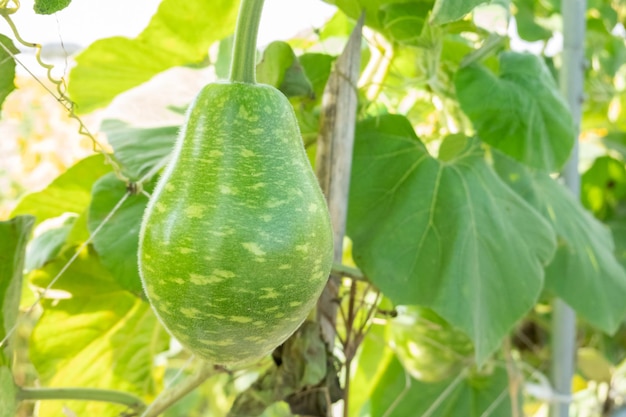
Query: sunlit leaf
[
  {"x": 593, "y": 365},
  {"x": 618, "y": 231},
  {"x": 445, "y": 11},
  {"x": 79, "y": 232},
  {"x": 610, "y": 16},
  {"x": 427, "y": 346},
  {"x": 471, "y": 396},
  {"x": 179, "y": 33},
  {"x": 603, "y": 186},
  {"x": 372, "y": 9},
  {"x": 47, "y": 245},
  {"x": 392, "y": 391},
  {"x": 317, "y": 67},
  {"x": 138, "y": 149},
  {"x": 50, "y": 6},
  {"x": 7, "y": 68},
  {"x": 438, "y": 234},
  {"x": 224, "y": 57},
  {"x": 339, "y": 25},
  {"x": 403, "y": 22},
  {"x": 8, "y": 393},
  {"x": 604, "y": 47},
  {"x": 277, "y": 58},
  {"x": 279, "y": 409},
  {"x": 521, "y": 112},
  {"x": 372, "y": 361},
  {"x": 70, "y": 192},
  {"x": 584, "y": 271},
  {"x": 354, "y": 8},
  {"x": 14, "y": 235},
  {"x": 101, "y": 337},
  {"x": 118, "y": 239},
  {"x": 602, "y": 108},
  {"x": 280, "y": 68},
  {"x": 86, "y": 276},
  {"x": 526, "y": 21},
  {"x": 616, "y": 141}
]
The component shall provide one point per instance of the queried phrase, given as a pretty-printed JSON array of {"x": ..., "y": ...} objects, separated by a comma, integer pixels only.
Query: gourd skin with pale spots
[{"x": 236, "y": 242}]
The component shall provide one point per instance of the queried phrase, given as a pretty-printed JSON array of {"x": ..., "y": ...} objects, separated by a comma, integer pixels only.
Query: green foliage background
[{"x": 457, "y": 218}]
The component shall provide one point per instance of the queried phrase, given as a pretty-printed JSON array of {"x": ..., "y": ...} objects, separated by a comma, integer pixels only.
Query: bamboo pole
[{"x": 334, "y": 161}]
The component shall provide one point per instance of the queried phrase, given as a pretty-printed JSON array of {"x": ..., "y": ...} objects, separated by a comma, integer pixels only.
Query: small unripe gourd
[{"x": 236, "y": 242}]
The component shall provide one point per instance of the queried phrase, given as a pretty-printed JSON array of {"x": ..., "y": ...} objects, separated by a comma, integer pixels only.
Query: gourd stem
[{"x": 243, "y": 64}]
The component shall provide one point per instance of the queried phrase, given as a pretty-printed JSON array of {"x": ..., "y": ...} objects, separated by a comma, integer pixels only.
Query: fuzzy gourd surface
[{"x": 236, "y": 242}]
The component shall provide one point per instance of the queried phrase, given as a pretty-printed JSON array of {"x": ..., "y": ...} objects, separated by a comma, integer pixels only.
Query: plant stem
[
  {"x": 489, "y": 47},
  {"x": 350, "y": 348},
  {"x": 82, "y": 394},
  {"x": 348, "y": 271},
  {"x": 514, "y": 378},
  {"x": 378, "y": 66},
  {"x": 170, "y": 396},
  {"x": 243, "y": 64}
]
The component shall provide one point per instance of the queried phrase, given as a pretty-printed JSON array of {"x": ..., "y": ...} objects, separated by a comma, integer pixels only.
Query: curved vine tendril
[
  {"x": 5, "y": 9},
  {"x": 61, "y": 88}
]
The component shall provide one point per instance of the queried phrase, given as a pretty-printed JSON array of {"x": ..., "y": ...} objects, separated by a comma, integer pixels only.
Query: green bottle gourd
[{"x": 236, "y": 242}]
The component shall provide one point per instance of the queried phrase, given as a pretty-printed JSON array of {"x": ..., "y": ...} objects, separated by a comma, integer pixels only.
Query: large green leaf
[
  {"x": 439, "y": 234},
  {"x": 139, "y": 149},
  {"x": 7, "y": 68},
  {"x": 8, "y": 392},
  {"x": 584, "y": 271},
  {"x": 70, "y": 192},
  {"x": 445, "y": 11},
  {"x": 100, "y": 337},
  {"x": 118, "y": 239},
  {"x": 521, "y": 112},
  {"x": 179, "y": 33},
  {"x": 392, "y": 392},
  {"x": 14, "y": 235}
]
